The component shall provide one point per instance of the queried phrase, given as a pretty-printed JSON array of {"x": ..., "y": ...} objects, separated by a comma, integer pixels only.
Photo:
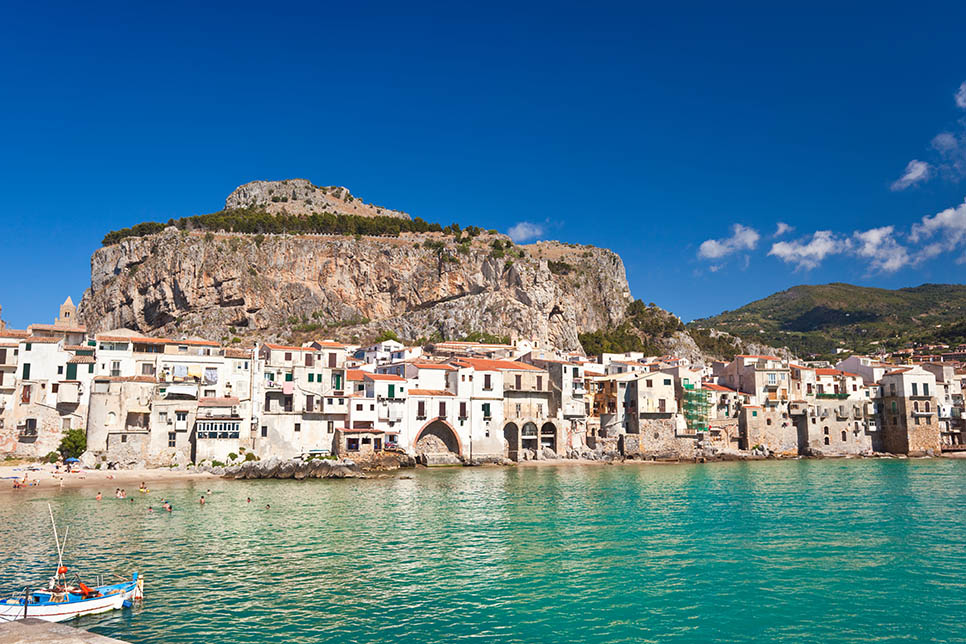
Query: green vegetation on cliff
[
  {"x": 255, "y": 221},
  {"x": 816, "y": 320},
  {"x": 643, "y": 326}
]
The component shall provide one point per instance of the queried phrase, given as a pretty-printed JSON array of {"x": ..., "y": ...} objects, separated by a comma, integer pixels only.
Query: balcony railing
[{"x": 832, "y": 396}]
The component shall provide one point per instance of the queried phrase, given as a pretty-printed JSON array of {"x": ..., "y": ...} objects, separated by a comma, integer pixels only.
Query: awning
[{"x": 181, "y": 390}]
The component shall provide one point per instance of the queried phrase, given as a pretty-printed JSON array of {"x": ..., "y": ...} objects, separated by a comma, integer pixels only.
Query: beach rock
[
  {"x": 548, "y": 454},
  {"x": 439, "y": 459},
  {"x": 87, "y": 460},
  {"x": 291, "y": 469}
]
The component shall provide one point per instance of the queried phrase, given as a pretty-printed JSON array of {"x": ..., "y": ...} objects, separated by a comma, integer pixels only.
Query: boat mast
[{"x": 60, "y": 549}]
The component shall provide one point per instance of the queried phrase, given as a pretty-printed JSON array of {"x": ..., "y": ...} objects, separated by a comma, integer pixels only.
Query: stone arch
[
  {"x": 437, "y": 436},
  {"x": 548, "y": 436},
  {"x": 530, "y": 437},
  {"x": 511, "y": 437}
]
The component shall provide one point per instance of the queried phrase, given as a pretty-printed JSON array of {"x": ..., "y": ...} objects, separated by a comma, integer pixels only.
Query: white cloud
[
  {"x": 524, "y": 231},
  {"x": 915, "y": 172},
  {"x": 742, "y": 238},
  {"x": 783, "y": 228},
  {"x": 880, "y": 246},
  {"x": 808, "y": 255},
  {"x": 961, "y": 96},
  {"x": 945, "y": 142},
  {"x": 950, "y": 224}
]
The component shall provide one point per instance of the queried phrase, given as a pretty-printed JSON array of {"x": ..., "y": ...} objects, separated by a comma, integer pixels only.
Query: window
[
  {"x": 311, "y": 377},
  {"x": 60, "y": 370},
  {"x": 26, "y": 370},
  {"x": 288, "y": 403},
  {"x": 172, "y": 439},
  {"x": 26, "y": 347},
  {"x": 462, "y": 410},
  {"x": 486, "y": 411},
  {"x": 540, "y": 383},
  {"x": 892, "y": 389},
  {"x": 147, "y": 369},
  {"x": 915, "y": 389},
  {"x": 352, "y": 444},
  {"x": 332, "y": 359},
  {"x": 264, "y": 431},
  {"x": 487, "y": 385},
  {"x": 519, "y": 381},
  {"x": 330, "y": 426},
  {"x": 54, "y": 388},
  {"x": 772, "y": 378},
  {"x": 825, "y": 430},
  {"x": 925, "y": 389},
  {"x": 289, "y": 376},
  {"x": 845, "y": 436},
  {"x": 927, "y": 405},
  {"x": 181, "y": 416},
  {"x": 442, "y": 409},
  {"x": 650, "y": 383},
  {"x": 826, "y": 440},
  {"x": 519, "y": 408},
  {"x": 421, "y": 409},
  {"x": 115, "y": 368},
  {"x": 183, "y": 348},
  {"x": 359, "y": 407},
  {"x": 298, "y": 427},
  {"x": 309, "y": 403},
  {"x": 124, "y": 439},
  {"x": 163, "y": 417},
  {"x": 767, "y": 421},
  {"x": 309, "y": 360},
  {"x": 288, "y": 356}
]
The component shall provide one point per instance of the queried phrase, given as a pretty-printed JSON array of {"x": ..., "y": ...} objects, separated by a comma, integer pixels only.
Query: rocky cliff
[
  {"x": 275, "y": 287},
  {"x": 301, "y": 197}
]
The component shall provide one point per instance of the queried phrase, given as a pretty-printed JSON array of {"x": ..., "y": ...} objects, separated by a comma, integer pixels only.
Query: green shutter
[
  {"x": 338, "y": 381},
  {"x": 288, "y": 377},
  {"x": 392, "y": 391},
  {"x": 26, "y": 370},
  {"x": 90, "y": 368},
  {"x": 72, "y": 371},
  {"x": 311, "y": 377}
]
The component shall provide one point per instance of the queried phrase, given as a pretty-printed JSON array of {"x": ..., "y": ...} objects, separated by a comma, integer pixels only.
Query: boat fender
[
  {"x": 127, "y": 603},
  {"x": 62, "y": 570}
]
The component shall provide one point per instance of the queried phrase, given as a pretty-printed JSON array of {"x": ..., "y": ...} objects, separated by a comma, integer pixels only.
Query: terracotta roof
[
  {"x": 284, "y": 347},
  {"x": 361, "y": 430},
  {"x": 150, "y": 379},
  {"x": 895, "y": 371},
  {"x": 9, "y": 345},
  {"x": 54, "y": 327},
  {"x": 355, "y": 374},
  {"x": 78, "y": 347},
  {"x": 482, "y": 364},
  {"x": 430, "y": 392},
  {"x": 384, "y": 376},
  {"x": 13, "y": 333},
  {"x": 716, "y": 387},
  {"x": 433, "y": 365},
  {"x": 39, "y": 340},
  {"x": 760, "y": 357},
  {"x": 217, "y": 402},
  {"x": 82, "y": 360},
  {"x": 131, "y": 338},
  {"x": 329, "y": 344},
  {"x": 238, "y": 353}
]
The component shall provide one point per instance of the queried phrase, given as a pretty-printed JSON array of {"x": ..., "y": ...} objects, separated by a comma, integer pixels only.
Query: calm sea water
[{"x": 816, "y": 551}]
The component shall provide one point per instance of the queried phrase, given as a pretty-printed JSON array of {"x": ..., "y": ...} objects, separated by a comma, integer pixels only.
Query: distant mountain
[{"x": 812, "y": 320}]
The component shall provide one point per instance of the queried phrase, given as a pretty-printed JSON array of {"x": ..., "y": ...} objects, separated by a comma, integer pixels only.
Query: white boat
[{"x": 62, "y": 600}]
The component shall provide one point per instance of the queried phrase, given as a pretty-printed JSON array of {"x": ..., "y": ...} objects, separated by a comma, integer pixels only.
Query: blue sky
[{"x": 679, "y": 137}]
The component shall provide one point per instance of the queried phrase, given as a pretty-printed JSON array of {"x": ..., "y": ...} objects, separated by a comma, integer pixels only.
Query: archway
[
  {"x": 529, "y": 438},
  {"x": 548, "y": 436},
  {"x": 511, "y": 434},
  {"x": 437, "y": 437}
]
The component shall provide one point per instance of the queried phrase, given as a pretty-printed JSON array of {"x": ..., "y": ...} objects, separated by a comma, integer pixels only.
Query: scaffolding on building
[{"x": 697, "y": 408}]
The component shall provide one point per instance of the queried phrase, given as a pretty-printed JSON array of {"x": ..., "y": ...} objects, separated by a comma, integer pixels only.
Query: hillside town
[{"x": 161, "y": 402}]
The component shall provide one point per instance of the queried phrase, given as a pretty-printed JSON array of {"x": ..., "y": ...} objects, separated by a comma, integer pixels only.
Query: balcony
[{"x": 832, "y": 396}]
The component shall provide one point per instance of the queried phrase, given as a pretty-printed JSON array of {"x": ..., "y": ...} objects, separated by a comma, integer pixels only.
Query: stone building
[{"x": 909, "y": 419}]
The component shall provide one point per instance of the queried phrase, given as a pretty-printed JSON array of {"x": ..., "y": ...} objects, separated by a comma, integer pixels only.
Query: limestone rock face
[
  {"x": 301, "y": 197},
  {"x": 269, "y": 287}
]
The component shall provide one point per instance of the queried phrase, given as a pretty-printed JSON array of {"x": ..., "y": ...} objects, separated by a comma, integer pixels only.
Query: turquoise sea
[{"x": 794, "y": 551}]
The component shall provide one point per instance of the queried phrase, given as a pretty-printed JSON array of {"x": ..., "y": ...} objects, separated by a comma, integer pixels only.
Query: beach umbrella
[{"x": 71, "y": 460}]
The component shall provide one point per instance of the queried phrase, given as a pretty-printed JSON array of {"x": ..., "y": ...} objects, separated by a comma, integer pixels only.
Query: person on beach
[
  {"x": 268, "y": 506},
  {"x": 249, "y": 499},
  {"x": 202, "y": 501},
  {"x": 168, "y": 507},
  {"x": 123, "y": 493},
  {"x": 150, "y": 509},
  {"x": 98, "y": 497},
  {"x": 143, "y": 488},
  {"x": 117, "y": 493}
]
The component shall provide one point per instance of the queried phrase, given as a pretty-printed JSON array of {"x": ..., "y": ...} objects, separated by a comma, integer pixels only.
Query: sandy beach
[{"x": 46, "y": 478}]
